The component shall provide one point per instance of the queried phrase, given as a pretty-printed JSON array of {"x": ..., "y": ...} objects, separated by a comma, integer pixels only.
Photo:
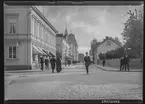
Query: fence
[{"x": 134, "y": 63}]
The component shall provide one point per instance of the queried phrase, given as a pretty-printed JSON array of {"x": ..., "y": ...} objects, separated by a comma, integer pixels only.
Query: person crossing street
[{"x": 87, "y": 62}]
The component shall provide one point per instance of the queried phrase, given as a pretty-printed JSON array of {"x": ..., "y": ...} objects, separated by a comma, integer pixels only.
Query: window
[
  {"x": 11, "y": 23},
  {"x": 12, "y": 26},
  {"x": 37, "y": 28},
  {"x": 42, "y": 32},
  {"x": 40, "y": 36},
  {"x": 12, "y": 52},
  {"x": 108, "y": 43},
  {"x": 46, "y": 36}
]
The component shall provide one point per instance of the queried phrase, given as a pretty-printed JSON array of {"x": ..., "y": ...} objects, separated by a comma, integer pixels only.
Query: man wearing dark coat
[
  {"x": 58, "y": 65},
  {"x": 126, "y": 62},
  {"x": 103, "y": 62},
  {"x": 52, "y": 61},
  {"x": 46, "y": 63},
  {"x": 87, "y": 62},
  {"x": 41, "y": 62},
  {"x": 121, "y": 63}
]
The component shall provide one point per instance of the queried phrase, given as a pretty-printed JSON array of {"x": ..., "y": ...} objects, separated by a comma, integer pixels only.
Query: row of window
[
  {"x": 13, "y": 51},
  {"x": 40, "y": 31}
]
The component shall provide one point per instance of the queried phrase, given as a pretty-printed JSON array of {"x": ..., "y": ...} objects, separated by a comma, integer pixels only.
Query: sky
[{"x": 88, "y": 22}]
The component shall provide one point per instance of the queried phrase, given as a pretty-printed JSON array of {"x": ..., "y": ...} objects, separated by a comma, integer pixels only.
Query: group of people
[
  {"x": 55, "y": 63},
  {"x": 124, "y": 63}
]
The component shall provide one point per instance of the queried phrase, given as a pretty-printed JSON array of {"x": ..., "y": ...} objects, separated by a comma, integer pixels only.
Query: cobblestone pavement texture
[{"x": 73, "y": 83}]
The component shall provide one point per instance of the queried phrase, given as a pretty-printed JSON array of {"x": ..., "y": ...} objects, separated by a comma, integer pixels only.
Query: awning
[
  {"x": 43, "y": 53},
  {"x": 46, "y": 52},
  {"x": 51, "y": 54},
  {"x": 36, "y": 51}
]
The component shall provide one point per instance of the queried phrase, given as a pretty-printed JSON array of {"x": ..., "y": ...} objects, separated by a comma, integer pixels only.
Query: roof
[
  {"x": 109, "y": 38},
  {"x": 43, "y": 17},
  {"x": 71, "y": 39}
]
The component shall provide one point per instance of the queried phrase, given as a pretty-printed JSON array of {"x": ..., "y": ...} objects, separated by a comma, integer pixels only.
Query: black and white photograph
[{"x": 73, "y": 52}]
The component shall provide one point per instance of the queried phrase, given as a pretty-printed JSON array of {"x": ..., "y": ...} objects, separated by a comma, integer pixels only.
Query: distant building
[
  {"x": 27, "y": 36},
  {"x": 73, "y": 47},
  {"x": 81, "y": 57},
  {"x": 106, "y": 45},
  {"x": 62, "y": 48}
]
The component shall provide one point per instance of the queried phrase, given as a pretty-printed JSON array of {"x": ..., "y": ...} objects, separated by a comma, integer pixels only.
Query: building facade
[
  {"x": 106, "y": 45},
  {"x": 62, "y": 48},
  {"x": 73, "y": 47},
  {"x": 81, "y": 57},
  {"x": 27, "y": 36}
]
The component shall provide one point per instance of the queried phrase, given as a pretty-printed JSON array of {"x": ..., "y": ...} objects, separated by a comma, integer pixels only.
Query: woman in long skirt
[{"x": 58, "y": 65}]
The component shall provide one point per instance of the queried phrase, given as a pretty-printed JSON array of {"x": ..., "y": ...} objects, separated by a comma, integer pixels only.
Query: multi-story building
[
  {"x": 106, "y": 45},
  {"x": 73, "y": 47},
  {"x": 27, "y": 36},
  {"x": 62, "y": 48},
  {"x": 81, "y": 57}
]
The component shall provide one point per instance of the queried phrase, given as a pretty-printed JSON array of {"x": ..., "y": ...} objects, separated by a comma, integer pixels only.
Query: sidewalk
[
  {"x": 106, "y": 68},
  {"x": 35, "y": 70}
]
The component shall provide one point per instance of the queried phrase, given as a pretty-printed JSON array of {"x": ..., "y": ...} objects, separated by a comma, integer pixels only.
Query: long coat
[
  {"x": 58, "y": 65},
  {"x": 87, "y": 60},
  {"x": 52, "y": 61}
]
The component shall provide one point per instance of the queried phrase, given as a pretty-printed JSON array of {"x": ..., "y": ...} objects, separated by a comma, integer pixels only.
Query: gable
[{"x": 107, "y": 45}]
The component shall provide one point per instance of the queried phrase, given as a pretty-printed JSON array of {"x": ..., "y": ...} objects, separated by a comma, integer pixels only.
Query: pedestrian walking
[
  {"x": 126, "y": 62},
  {"x": 121, "y": 63},
  {"x": 87, "y": 62},
  {"x": 103, "y": 62},
  {"x": 53, "y": 62},
  {"x": 41, "y": 62},
  {"x": 58, "y": 65},
  {"x": 46, "y": 63},
  {"x": 69, "y": 63}
]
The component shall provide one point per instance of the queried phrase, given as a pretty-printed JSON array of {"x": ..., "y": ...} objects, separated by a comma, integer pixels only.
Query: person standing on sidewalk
[
  {"x": 103, "y": 62},
  {"x": 46, "y": 63},
  {"x": 87, "y": 62},
  {"x": 58, "y": 65},
  {"x": 126, "y": 62},
  {"x": 41, "y": 62},
  {"x": 52, "y": 61},
  {"x": 121, "y": 64}
]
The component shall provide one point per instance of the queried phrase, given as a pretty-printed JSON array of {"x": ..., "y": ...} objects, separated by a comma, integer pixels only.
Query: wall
[
  {"x": 22, "y": 18},
  {"x": 103, "y": 48},
  {"x": 134, "y": 63}
]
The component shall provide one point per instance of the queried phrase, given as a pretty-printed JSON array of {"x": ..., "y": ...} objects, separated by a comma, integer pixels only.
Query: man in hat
[{"x": 87, "y": 62}]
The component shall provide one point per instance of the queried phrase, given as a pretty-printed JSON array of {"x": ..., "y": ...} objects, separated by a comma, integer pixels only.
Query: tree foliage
[{"x": 133, "y": 31}]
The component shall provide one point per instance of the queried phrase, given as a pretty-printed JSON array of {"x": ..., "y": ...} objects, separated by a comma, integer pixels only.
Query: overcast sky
[{"x": 88, "y": 22}]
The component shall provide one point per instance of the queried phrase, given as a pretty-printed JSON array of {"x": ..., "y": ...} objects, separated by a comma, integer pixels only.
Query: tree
[
  {"x": 94, "y": 44},
  {"x": 133, "y": 31}
]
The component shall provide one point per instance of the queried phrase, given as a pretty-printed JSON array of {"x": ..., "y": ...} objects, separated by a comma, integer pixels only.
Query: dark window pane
[
  {"x": 14, "y": 49},
  {"x": 14, "y": 55},
  {"x": 11, "y": 27},
  {"x": 10, "y": 55},
  {"x": 14, "y": 28},
  {"x": 10, "y": 49},
  {"x": 14, "y": 52}
]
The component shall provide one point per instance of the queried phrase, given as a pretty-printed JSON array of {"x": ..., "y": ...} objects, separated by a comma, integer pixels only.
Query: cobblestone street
[{"x": 73, "y": 83}]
